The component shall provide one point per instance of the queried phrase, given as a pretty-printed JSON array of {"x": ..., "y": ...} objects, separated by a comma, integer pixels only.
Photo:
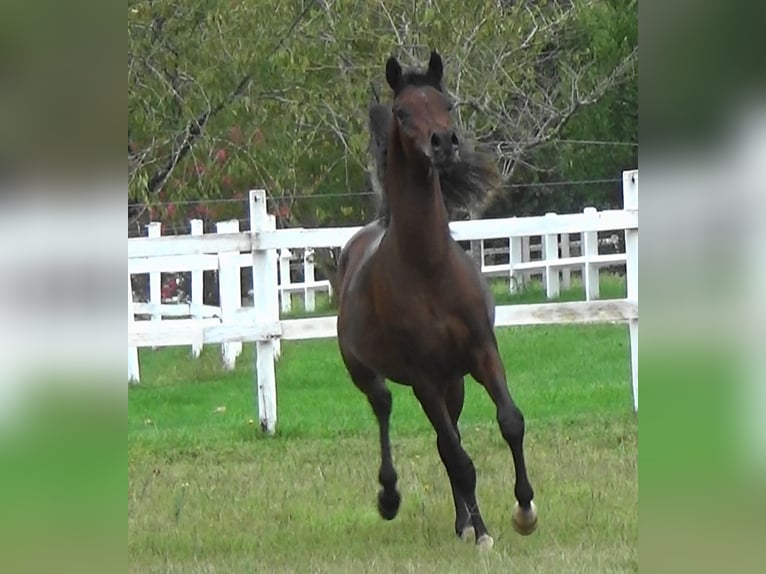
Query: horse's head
[{"x": 422, "y": 115}]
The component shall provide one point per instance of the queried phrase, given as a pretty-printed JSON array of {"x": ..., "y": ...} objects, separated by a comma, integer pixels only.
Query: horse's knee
[{"x": 511, "y": 423}]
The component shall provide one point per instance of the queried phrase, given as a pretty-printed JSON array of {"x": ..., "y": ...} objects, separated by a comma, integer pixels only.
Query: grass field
[{"x": 208, "y": 493}]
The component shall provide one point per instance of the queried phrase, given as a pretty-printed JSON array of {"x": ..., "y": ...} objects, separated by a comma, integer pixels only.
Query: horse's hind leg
[
  {"x": 454, "y": 398},
  {"x": 379, "y": 397},
  {"x": 460, "y": 468},
  {"x": 489, "y": 371}
]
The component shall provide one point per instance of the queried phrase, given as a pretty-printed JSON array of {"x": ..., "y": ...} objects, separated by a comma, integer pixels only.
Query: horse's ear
[
  {"x": 435, "y": 68},
  {"x": 393, "y": 74}
]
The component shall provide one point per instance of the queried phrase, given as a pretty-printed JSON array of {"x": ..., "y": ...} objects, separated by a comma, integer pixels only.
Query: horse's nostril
[
  {"x": 454, "y": 139},
  {"x": 435, "y": 141}
]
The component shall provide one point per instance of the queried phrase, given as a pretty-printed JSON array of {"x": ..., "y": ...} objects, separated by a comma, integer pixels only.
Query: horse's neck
[{"x": 419, "y": 219}]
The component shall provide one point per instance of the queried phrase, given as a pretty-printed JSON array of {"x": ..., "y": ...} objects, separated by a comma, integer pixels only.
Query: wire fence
[{"x": 136, "y": 228}]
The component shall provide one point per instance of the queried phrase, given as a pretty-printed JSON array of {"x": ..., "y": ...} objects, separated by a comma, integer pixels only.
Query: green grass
[{"x": 207, "y": 492}]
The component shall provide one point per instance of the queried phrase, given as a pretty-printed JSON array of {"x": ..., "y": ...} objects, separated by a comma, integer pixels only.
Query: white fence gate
[{"x": 264, "y": 248}]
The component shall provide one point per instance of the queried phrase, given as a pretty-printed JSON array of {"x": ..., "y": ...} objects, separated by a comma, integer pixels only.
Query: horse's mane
[{"x": 469, "y": 180}]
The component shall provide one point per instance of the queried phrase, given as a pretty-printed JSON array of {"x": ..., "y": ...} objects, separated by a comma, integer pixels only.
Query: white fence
[
  {"x": 521, "y": 266},
  {"x": 264, "y": 247},
  {"x": 189, "y": 302}
]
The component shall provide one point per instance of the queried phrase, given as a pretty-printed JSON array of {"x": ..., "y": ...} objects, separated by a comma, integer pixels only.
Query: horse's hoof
[
  {"x": 468, "y": 534},
  {"x": 485, "y": 542},
  {"x": 388, "y": 503},
  {"x": 525, "y": 521}
]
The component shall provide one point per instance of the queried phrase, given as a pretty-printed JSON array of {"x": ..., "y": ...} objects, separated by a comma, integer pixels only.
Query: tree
[{"x": 227, "y": 95}]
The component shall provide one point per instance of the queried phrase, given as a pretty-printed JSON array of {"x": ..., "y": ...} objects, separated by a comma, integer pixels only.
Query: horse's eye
[{"x": 400, "y": 113}]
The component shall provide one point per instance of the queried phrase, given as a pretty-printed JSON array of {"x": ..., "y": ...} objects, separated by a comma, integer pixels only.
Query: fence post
[
  {"x": 134, "y": 375},
  {"x": 516, "y": 279},
  {"x": 476, "y": 252},
  {"x": 566, "y": 272},
  {"x": 630, "y": 202},
  {"x": 589, "y": 250},
  {"x": 526, "y": 255},
  {"x": 154, "y": 229},
  {"x": 264, "y": 288},
  {"x": 229, "y": 292},
  {"x": 197, "y": 289},
  {"x": 550, "y": 253},
  {"x": 274, "y": 292},
  {"x": 284, "y": 279},
  {"x": 309, "y": 302}
]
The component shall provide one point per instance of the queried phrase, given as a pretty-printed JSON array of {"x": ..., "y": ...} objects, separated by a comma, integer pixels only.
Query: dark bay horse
[{"x": 413, "y": 307}]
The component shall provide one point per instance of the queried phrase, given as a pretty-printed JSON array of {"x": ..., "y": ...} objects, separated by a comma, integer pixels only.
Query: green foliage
[{"x": 299, "y": 125}]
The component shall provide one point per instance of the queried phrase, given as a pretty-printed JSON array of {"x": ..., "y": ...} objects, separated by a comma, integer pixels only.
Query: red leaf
[{"x": 235, "y": 135}]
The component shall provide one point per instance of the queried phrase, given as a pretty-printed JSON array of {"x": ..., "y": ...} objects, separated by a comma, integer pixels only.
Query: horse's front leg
[
  {"x": 459, "y": 466},
  {"x": 454, "y": 399},
  {"x": 374, "y": 387},
  {"x": 388, "y": 497},
  {"x": 489, "y": 371}
]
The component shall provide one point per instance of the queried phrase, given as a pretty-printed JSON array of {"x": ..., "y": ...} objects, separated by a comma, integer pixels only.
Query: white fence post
[
  {"x": 134, "y": 375},
  {"x": 566, "y": 272},
  {"x": 589, "y": 250},
  {"x": 516, "y": 279},
  {"x": 154, "y": 229},
  {"x": 630, "y": 202},
  {"x": 230, "y": 292},
  {"x": 197, "y": 288},
  {"x": 526, "y": 256},
  {"x": 274, "y": 291},
  {"x": 309, "y": 302},
  {"x": 284, "y": 279},
  {"x": 264, "y": 287},
  {"x": 551, "y": 253}
]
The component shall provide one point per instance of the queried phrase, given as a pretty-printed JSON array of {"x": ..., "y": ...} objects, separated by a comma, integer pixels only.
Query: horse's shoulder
[
  {"x": 475, "y": 282},
  {"x": 357, "y": 252}
]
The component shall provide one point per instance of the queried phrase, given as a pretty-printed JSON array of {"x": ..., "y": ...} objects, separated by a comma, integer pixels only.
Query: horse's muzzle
[{"x": 444, "y": 148}]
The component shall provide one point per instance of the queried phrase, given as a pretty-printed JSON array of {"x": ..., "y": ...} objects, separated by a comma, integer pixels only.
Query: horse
[{"x": 414, "y": 309}]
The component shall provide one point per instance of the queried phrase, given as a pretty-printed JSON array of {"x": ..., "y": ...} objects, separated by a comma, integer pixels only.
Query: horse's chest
[{"x": 431, "y": 333}]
